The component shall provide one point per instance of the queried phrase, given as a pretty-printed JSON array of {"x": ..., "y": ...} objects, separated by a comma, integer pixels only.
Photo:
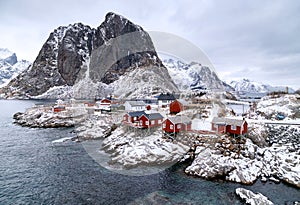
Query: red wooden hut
[
  {"x": 140, "y": 119},
  {"x": 177, "y": 124},
  {"x": 176, "y": 107},
  {"x": 59, "y": 108},
  {"x": 151, "y": 120},
  {"x": 231, "y": 126}
]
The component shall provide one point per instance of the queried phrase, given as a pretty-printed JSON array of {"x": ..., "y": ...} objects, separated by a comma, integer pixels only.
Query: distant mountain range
[
  {"x": 10, "y": 67},
  {"x": 248, "y": 86},
  {"x": 78, "y": 61},
  {"x": 194, "y": 76}
]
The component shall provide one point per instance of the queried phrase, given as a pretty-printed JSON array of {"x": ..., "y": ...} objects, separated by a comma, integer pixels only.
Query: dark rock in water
[{"x": 17, "y": 115}]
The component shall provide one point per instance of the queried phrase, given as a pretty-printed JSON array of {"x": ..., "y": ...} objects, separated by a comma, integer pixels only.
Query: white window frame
[
  {"x": 233, "y": 127},
  {"x": 159, "y": 122},
  {"x": 171, "y": 126},
  {"x": 147, "y": 122},
  {"x": 152, "y": 122},
  {"x": 164, "y": 125},
  {"x": 179, "y": 126}
]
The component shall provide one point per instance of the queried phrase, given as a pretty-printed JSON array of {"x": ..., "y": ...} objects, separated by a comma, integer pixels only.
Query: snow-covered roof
[
  {"x": 167, "y": 96},
  {"x": 154, "y": 116},
  {"x": 180, "y": 119},
  {"x": 136, "y": 114},
  {"x": 228, "y": 121},
  {"x": 136, "y": 103},
  {"x": 183, "y": 102}
]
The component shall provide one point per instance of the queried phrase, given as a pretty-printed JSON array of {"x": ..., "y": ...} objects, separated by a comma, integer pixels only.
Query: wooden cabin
[
  {"x": 164, "y": 100},
  {"x": 59, "y": 108},
  {"x": 103, "y": 105},
  {"x": 151, "y": 120},
  {"x": 231, "y": 126},
  {"x": 141, "y": 119},
  {"x": 134, "y": 106},
  {"x": 178, "y": 106},
  {"x": 177, "y": 124}
]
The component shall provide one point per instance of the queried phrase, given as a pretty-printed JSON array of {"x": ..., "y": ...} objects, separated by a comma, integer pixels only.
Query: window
[
  {"x": 124, "y": 118},
  {"x": 135, "y": 118},
  {"x": 159, "y": 121},
  {"x": 233, "y": 127},
  {"x": 216, "y": 126},
  {"x": 178, "y": 126},
  {"x": 147, "y": 122},
  {"x": 171, "y": 127},
  {"x": 152, "y": 122}
]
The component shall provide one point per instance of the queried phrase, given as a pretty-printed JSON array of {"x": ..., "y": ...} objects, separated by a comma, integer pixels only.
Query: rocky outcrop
[
  {"x": 76, "y": 54},
  {"x": 245, "y": 162},
  {"x": 252, "y": 198},
  {"x": 44, "y": 117}
]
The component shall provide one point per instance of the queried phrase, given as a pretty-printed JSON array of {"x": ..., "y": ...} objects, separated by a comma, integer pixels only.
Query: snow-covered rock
[
  {"x": 44, "y": 117},
  {"x": 193, "y": 76},
  {"x": 132, "y": 149},
  {"x": 288, "y": 105},
  {"x": 239, "y": 166},
  {"x": 10, "y": 67},
  {"x": 252, "y": 198},
  {"x": 245, "y": 162},
  {"x": 249, "y": 86}
]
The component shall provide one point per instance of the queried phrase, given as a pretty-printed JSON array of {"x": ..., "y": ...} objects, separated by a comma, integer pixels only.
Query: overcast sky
[{"x": 254, "y": 39}]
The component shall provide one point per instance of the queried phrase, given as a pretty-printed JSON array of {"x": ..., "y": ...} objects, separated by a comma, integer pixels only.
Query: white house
[{"x": 135, "y": 105}]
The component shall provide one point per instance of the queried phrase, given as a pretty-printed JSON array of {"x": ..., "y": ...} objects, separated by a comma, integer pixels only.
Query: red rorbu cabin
[
  {"x": 231, "y": 126},
  {"x": 59, "y": 108},
  {"x": 177, "y": 124},
  {"x": 151, "y": 120},
  {"x": 140, "y": 119},
  {"x": 176, "y": 107}
]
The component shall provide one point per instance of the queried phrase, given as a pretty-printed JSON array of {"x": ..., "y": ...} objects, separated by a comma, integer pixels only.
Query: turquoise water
[{"x": 33, "y": 170}]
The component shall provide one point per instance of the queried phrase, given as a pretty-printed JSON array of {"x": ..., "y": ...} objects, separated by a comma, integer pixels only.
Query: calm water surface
[{"x": 33, "y": 170}]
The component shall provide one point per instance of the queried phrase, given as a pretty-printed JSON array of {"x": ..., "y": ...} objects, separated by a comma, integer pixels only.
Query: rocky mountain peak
[
  {"x": 77, "y": 53},
  {"x": 10, "y": 66}
]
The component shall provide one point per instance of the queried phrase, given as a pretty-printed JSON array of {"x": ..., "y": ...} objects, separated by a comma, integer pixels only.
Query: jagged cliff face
[{"x": 77, "y": 55}]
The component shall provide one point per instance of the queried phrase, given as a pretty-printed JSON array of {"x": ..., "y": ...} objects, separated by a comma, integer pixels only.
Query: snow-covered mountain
[
  {"x": 248, "y": 86},
  {"x": 83, "y": 62},
  {"x": 193, "y": 76},
  {"x": 10, "y": 67}
]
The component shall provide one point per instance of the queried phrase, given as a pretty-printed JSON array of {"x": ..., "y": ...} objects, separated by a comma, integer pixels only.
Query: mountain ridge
[
  {"x": 10, "y": 66},
  {"x": 76, "y": 53}
]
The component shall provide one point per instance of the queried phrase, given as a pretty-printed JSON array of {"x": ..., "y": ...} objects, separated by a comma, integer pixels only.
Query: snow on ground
[
  {"x": 44, "y": 117},
  {"x": 252, "y": 198},
  {"x": 288, "y": 105},
  {"x": 132, "y": 149},
  {"x": 246, "y": 162}
]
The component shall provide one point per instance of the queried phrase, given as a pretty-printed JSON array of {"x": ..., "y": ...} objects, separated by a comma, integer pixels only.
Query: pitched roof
[
  {"x": 228, "y": 121},
  {"x": 136, "y": 114},
  {"x": 180, "y": 119},
  {"x": 136, "y": 103},
  {"x": 154, "y": 116},
  {"x": 183, "y": 102},
  {"x": 167, "y": 96}
]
